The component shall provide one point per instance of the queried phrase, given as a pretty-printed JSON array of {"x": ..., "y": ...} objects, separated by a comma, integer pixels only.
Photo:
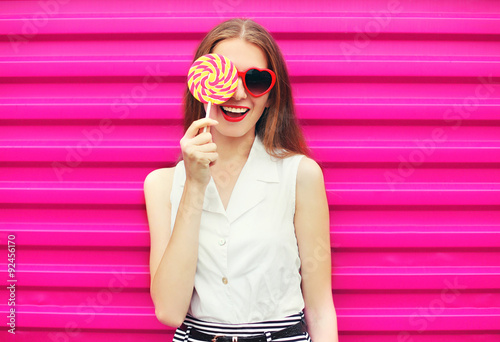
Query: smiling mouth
[{"x": 234, "y": 116}]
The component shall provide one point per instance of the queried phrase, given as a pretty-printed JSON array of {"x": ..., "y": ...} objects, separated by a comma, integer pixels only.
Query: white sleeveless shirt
[{"x": 248, "y": 258}]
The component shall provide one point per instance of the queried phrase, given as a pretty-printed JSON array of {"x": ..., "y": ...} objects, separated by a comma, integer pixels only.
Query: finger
[
  {"x": 206, "y": 148},
  {"x": 205, "y": 158},
  {"x": 204, "y": 129},
  {"x": 201, "y": 139},
  {"x": 211, "y": 157},
  {"x": 193, "y": 129}
]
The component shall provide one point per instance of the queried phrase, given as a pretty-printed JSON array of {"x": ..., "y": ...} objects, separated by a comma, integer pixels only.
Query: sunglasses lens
[{"x": 258, "y": 81}]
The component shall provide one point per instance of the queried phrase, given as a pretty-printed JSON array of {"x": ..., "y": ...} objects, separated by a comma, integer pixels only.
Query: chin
[
  {"x": 230, "y": 132},
  {"x": 234, "y": 129}
]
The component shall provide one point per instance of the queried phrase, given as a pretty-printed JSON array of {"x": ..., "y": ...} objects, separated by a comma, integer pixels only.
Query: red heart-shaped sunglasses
[{"x": 258, "y": 81}]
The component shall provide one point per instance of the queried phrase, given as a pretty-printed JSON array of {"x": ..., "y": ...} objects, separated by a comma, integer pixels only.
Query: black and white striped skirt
[{"x": 242, "y": 330}]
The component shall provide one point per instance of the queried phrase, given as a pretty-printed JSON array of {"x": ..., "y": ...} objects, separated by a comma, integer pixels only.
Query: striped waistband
[{"x": 245, "y": 329}]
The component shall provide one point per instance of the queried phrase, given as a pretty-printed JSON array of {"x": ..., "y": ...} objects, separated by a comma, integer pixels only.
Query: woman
[{"x": 240, "y": 245}]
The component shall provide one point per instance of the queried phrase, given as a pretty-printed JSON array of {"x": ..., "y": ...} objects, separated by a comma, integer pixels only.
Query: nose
[{"x": 240, "y": 90}]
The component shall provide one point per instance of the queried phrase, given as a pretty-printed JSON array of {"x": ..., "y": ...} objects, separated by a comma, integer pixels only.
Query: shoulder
[
  {"x": 310, "y": 185},
  {"x": 159, "y": 180},
  {"x": 159, "y": 175},
  {"x": 309, "y": 172}
]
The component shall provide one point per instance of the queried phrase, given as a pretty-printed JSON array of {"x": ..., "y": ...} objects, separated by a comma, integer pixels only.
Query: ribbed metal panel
[{"x": 399, "y": 101}]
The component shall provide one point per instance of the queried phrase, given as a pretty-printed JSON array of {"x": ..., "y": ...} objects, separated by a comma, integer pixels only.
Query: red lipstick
[{"x": 234, "y": 119}]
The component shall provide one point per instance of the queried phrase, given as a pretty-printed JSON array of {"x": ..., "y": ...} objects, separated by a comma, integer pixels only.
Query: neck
[{"x": 232, "y": 149}]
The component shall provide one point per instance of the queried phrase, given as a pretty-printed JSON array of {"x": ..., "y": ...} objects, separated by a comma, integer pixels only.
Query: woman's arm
[
  {"x": 174, "y": 257},
  {"x": 312, "y": 227}
]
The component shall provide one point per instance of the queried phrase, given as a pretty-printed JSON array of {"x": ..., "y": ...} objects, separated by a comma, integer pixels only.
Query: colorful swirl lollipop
[{"x": 212, "y": 79}]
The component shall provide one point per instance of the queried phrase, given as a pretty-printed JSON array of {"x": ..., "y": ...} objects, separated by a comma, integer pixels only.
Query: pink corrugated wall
[{"x": 399, "y": 101}]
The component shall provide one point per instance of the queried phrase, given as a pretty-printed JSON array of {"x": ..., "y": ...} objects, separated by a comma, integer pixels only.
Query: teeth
[{"x": 235, "y": 110}]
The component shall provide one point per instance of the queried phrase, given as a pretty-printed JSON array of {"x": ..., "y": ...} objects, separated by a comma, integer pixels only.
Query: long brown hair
[{"x": 278, "y": 126}]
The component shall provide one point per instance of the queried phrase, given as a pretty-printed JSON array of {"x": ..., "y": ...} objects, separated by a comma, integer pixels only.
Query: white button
[
  {"x": 222, "y": 242},
  {"x": 224, "y": 280}
]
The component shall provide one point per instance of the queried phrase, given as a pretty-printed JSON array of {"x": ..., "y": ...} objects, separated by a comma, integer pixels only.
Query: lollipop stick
[{"x": 208, "y": 114}]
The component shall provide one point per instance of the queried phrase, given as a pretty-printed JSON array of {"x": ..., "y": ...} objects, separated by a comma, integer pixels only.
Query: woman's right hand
[{"x": 198, "y": 151}]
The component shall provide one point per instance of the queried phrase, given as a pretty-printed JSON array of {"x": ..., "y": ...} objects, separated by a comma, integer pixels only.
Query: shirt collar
[
  {"x": 250, "y": 188},
  {"x": 264, "y": 165}
]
